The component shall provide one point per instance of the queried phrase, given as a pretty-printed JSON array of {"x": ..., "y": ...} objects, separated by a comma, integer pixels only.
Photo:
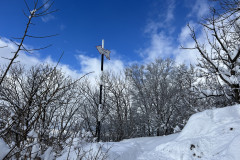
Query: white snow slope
[{"x": 208, "y": 135}]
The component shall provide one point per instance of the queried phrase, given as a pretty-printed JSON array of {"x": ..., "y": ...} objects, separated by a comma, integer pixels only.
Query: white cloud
[
  {"x": 30, "y": 60},
  {"x": 184, "y": 35},
  {"x": 160, "y": 46},
  {"x": 164, "y": 46},
  {"x": 190, "y": 56},
  {"x": 187, "y": 56},
  {"x": 90, "y": 64}
]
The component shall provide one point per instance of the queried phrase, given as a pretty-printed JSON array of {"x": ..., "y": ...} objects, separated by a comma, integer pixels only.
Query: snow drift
[{"x": 208, "y": 135}]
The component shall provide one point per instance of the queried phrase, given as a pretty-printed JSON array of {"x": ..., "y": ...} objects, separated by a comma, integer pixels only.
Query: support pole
[{"x": 100, "y": 98}]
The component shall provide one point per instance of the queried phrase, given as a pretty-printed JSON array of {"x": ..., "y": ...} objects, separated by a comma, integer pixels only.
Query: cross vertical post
[{"x": 103, "y": 52}]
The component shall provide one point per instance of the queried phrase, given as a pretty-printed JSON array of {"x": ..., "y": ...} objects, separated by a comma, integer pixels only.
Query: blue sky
[{"x": 135, "y": 31}]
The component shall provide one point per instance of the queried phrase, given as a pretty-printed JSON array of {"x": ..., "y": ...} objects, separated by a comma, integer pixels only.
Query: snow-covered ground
[
  {"x": 209, "y": 135},
  {"x": 137, "y": 148}
]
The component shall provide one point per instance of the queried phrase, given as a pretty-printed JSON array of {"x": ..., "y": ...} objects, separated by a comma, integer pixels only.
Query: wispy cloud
[
  {"x": 47, "y": 17},
  {"x": 80, "y": 52},
  {"x": 199, "y": 9},
  {"x": 164, "y": 44},
  {"x": 62, "y": 27},
  {"x": 163, "y": 20},
  {"x": 160, "y": 30},
  {"x": 170, "y": 10}
]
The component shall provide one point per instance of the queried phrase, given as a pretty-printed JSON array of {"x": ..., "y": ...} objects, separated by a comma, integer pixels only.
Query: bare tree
[
  {"x": 160, "y": 90},
  {"x": 39, "y": 104},
  {"x": 219, "y": 63},
  {"x": 38, "y": 10},
  {"x": 140, "y": 96},
  {"x": 118, "y": 106}
]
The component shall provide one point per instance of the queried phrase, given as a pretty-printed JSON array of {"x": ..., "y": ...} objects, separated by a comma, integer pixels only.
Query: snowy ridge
[{"x": 208, "y": 135}]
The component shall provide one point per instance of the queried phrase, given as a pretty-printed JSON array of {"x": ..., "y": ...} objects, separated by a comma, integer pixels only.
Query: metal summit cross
[{"x": 103, "y": 52}]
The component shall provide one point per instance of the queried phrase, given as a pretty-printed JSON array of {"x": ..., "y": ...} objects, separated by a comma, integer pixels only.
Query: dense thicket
[
  {"x": 38, "y": 109},
  {"x": 42, "y": 108}
]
